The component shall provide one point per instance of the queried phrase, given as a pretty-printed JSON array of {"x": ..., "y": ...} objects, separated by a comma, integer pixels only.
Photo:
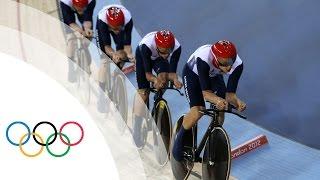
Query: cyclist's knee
[
  {"x": 143, "y": 94},
  {"x": 192, "y": 116}
]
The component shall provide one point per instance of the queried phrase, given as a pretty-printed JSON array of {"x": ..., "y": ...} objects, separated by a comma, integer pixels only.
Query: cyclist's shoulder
[
  {"x": 148, "y": 39},
  {"x": 203, "y": 53},
  {"x": 66, "y": 2}
]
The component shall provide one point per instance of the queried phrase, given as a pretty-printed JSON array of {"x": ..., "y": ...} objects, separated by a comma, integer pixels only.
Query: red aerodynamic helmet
[
  {"x": 80, "y": 3},
  {"x": 165, "y": 39},
  {"x": 224, "y": 49},
  {"x": 115, "y": 16}
]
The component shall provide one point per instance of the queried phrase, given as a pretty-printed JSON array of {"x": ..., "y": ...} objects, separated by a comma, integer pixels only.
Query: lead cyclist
[{"x": 203, "y": 80}]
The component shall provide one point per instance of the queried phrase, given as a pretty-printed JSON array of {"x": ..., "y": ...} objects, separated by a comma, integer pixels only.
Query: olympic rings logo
[{"x": 48, "y": 141}]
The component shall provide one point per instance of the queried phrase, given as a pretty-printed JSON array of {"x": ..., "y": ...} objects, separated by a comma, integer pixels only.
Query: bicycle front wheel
[
  {"x": 119, "y": 97},
  {"x": 83, "y": 77},
  {"x": 162, "y": 130},
  {"x": 216, "y": 161}
]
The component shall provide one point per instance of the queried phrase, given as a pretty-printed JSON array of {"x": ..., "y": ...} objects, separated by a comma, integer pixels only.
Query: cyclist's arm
[
  {"x": 203, "y": 72},
  {"x": 69, "y": 17},
  {"x": 87, "y": 24},
  {"x": 232, "y": 85},
  {"x": 76, "y": 27},
  {"x": 127, "y": 37},
  {"x": 174, "y": 64},
  {"x": 234, "y": 79},
  {"x": 146, "y": 57},
  {"x": 174, "y": 60},
  {"x": 104, "y": 37},
  {"x": 88, "y": 13}
]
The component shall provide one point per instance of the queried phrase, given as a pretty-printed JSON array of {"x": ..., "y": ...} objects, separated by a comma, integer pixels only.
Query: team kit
[{"x": 156, "y": 60}]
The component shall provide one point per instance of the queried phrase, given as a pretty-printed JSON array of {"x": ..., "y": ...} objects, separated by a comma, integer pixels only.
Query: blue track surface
[
  {"x": 281, "y": 158},
  {"x": 278, "y": 42}
]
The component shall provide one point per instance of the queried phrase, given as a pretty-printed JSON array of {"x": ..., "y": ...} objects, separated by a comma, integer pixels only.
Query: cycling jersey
[
  {"x": 69, "y": 13},
  {"x": 148, "y": 59},
  {"x": 104, "y": 34},
  {"x": 149, "y": 52},
  {"x": 199, "y": 74}
]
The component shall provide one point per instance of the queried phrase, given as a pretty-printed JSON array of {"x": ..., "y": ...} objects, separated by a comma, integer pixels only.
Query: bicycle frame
[
  {"x": 214, "y": 123},
  {"x": 159, "y": 93},
  {"x": 199, "y": 149}
]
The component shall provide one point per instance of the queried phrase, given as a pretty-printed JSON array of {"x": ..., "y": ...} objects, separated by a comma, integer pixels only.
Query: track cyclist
[
  {"x": 203, "y": 80},
  {"x": 159, "y": 51},
  {"x": 83, "y": 10},
  {"x": 113, "y": 21}
]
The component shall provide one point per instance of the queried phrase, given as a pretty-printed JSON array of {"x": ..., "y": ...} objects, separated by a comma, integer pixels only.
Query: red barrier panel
[{"x": 249, "y": 146}]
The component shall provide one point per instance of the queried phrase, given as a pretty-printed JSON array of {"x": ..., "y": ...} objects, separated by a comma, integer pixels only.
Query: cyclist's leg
[
  {"x": 195, "y": 98},
  {"x": 142, "y": 97},
  {"x": 161, "y": 67},
  {"x": 219, "y": 87},
  {"x": 71, "y": 44}
]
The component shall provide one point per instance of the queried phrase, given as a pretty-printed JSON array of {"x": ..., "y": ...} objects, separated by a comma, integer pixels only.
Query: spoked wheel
[
  {"x": 119, "y": 96},
  {"x": 181, "y": 170},
  {"x": 216, "y": 162},
  {"x": 162, "y": 130}
]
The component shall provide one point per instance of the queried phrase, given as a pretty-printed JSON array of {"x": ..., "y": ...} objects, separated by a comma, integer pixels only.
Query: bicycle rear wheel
[
  {"x": 162, "y": 130},
  {"x": 119, "y": 96},
  {"x": 140, "y": 134},
  {"x": 216, "y": 161}
]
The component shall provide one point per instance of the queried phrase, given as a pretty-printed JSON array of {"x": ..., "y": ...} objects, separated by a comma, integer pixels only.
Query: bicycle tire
[
  {"x": 119, "y": 96},
  {"x": 180, "y": 169},
  {"x": 162, "y": 131},
  {"x": 216, "y": 161}
]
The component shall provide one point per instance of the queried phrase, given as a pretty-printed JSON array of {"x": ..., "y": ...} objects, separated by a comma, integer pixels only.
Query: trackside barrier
[{"x": 249, "y": 146}]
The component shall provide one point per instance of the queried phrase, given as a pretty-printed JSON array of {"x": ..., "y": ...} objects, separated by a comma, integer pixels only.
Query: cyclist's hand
[
  {"x": 130, "y": 56},
  {"x": 221, "y": 104},
  {"x": 88, "y": 33},
  {"x": 116, "y": 57},
  {"x": 158, "y": 84},
  {"x": 241, "y": 106},
  {"x": 177, "y": 83}
]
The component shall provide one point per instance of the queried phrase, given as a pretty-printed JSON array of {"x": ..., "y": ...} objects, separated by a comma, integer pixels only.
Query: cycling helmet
[
  {"x": 80, "y": 3},
  {"x": 115, "y": 16},
  {"x": 224, "y": 49},
  {"x": 165, "y": 39}
]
